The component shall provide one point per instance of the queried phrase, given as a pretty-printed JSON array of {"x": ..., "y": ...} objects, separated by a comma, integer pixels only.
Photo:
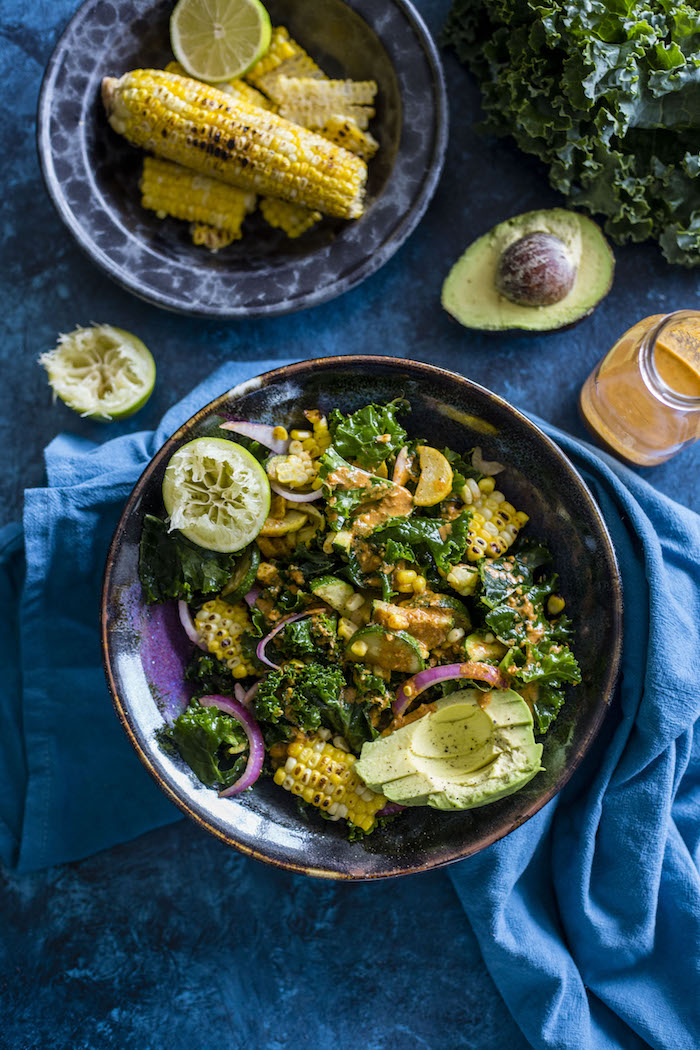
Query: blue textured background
[{"x": 153, "y": 944}]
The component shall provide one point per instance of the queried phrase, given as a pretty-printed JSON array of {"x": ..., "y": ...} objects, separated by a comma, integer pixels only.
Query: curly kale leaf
[
  {"x": 212, "y": 743},
  {"x": 549, "y": 702},
  {"x": 370, "y": 435},
  {"x": 424, "y": 535},
  {"x": 210, "y": 676},
  {"x": 343, "y": 502},
  {"x": 311, "y": 696},
  {"x": 607, "y": 96},
  {"x": 172, "y": 567},
  {"x": 310, "y": 636}
]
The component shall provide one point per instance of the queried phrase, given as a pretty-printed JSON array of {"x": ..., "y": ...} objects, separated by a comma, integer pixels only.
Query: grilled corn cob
[
  {"x": 284, "y": 57},
  {"x": 220, "y": 627},
  {"x": 322, "y": 775},
  {"x": 345, "y": 132},
  {"x": 204, "y": 129},
  {"x": 292, "y": 218},
  {"x": 494, "y": 523},
  {"x": 237, "y": 88},
  {"x": 170, "y": 189}
]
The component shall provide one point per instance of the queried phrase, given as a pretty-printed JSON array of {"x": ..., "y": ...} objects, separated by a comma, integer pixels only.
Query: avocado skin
[{"x": 470, "y": 295}]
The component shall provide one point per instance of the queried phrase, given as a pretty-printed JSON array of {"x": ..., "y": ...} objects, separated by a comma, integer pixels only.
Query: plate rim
[
  {"x": 315, "y": 297},
  {"x": 611, "y": 674}
]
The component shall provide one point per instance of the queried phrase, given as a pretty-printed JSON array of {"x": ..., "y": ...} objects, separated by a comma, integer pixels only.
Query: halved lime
[
  {"x": 216, "y": 494},
  {"x": 218, "y": 40},
  {"x": 101, "y": 372}
]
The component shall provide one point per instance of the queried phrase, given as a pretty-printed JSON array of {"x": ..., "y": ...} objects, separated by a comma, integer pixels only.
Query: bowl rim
[
  {"x": 427, "y": 371},
  {"x": 344, "y": 282}
]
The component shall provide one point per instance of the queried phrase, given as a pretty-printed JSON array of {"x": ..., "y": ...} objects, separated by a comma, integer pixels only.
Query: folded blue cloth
[{"x": 588, "y": 916}]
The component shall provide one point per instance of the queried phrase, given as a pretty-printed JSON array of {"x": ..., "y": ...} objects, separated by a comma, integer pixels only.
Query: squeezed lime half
[
  {"x": 217, "y": 40},
  {"x": 216, "y": 494},
  {"x": 101, "y": 372}
]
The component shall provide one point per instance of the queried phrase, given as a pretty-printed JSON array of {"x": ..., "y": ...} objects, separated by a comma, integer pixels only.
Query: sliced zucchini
[
  {"x": 391, "y": 650},
  {"x": 342, "y": 597},
  {"x": 332, "y": 590},
  {"x": 244, "y": 575},
  {"x": 342, "y": 541}
]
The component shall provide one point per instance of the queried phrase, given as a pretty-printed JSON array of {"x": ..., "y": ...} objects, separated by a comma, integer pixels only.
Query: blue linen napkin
[{"x": 588, "y": 916}]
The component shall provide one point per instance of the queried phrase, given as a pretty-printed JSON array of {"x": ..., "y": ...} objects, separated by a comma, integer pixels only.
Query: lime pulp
[
  {"x": 216, "y": 494},
  {"x": 218, "y": 40}
]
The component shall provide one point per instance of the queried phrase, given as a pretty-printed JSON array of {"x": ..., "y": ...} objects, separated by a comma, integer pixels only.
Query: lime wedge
[
  {"x": 101, "y": 372},
  {"x": 218, "y": 40},
  {"x": 216, "y": 494}
]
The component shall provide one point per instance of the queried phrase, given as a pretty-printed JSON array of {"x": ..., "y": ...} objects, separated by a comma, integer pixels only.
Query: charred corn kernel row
[
  {"x": 283, "y": 57},
  {"x": 170, "y": 189},
  {"x": 209, "y": 237},
  {"x": 237, "y": 88},
  {"x": 312, "y": 102},
  {"x": 220, "y": 627},
  {"x": 494, "y": 523},
  {"x": 296, "y": 470},
  {"x": 322, "y": 775},
  {"x": 292, "y": 218},
  {"x": 345, "y": 132},
  {"x": 204, "y": 129}
]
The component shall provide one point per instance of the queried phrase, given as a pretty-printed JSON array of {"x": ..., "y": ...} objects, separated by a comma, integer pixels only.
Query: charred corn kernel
[
  {"x": 555, "y": 604},
  {"x": 295, "y": 448},
  {"x": 283, "y": 57},
  {"x": 359, "y": 648},
  {"x": 294, "y": 470},
  {"x": 309, "y": 445},
  {"x": 345, "y": 132},
  {"x": 220, "y": 627},
  {"x": 455, "y": 635},
  {"x": 522, "y": 518},
  {"x": 419, "y": 584},
  {"x": 322, "y": 773},
  {"x": 300, "y": 435},
  {"x": 280, "y": 433},
  {"x": 346, "y": 629},
  {"x": 463, "y": 578},
  {"x": 316, "y": 483},
  {"x": 404, "y": 578},
  {"x": 354, "y": 602},
  {"x": 170, "y": 189},
  {"x": 293, "y": 219},
  {"x": 211, "y": 238},
  {"x": 205, "y": 129},
  {"x": 487, "y": 485}
]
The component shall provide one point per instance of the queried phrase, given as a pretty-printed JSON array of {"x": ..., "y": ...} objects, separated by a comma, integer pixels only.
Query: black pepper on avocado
[{"x": 539, "y": 271}]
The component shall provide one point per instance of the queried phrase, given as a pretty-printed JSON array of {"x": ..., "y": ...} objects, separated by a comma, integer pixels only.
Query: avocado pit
[{"x": 536, "y": 270}]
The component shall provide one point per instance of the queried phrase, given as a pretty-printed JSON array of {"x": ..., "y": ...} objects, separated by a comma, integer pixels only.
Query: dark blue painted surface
[{"x": 152, "y": 944}]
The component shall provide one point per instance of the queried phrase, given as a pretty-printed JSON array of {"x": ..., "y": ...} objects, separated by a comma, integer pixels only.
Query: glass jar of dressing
[{"x": 642, "y": 402}]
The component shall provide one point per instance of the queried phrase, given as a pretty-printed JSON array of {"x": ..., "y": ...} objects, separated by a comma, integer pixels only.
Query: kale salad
[{"x": 370, "y": 623}]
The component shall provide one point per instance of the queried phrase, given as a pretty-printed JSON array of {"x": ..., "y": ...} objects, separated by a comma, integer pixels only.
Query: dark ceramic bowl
[
  {"x": 92, "y": 173},
  {"x": 145, "y": 648}
]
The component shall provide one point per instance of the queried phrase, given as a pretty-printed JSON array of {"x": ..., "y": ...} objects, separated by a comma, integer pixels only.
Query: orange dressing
[{"x": 628, "y": 409}]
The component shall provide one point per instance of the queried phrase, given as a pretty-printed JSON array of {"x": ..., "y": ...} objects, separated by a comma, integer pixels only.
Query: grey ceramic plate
[
  {"x": 145, "y": 648},
  {"x": 92, "y": 174}
]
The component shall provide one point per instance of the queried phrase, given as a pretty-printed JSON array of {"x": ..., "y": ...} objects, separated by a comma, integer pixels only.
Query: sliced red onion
[
  {"x": 246, "y": 701},
  {"x": 239, "y": 692},
  {"x": 263, "y": 433},
  {"x": 256, "y": 744},
  {"x": 478, "y": 671},
  {"x": 263, "y": 643},
  {"x": 485, "y": 466},
  {"x": 252, "y": 596},
  {"x": 187, "y": 622},
  {"x": 390, "y": 809},
  {"x": 295, "y": 497}
]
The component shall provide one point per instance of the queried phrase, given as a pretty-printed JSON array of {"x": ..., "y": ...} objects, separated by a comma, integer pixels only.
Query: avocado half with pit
[{"x": 539, "y": 271}]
